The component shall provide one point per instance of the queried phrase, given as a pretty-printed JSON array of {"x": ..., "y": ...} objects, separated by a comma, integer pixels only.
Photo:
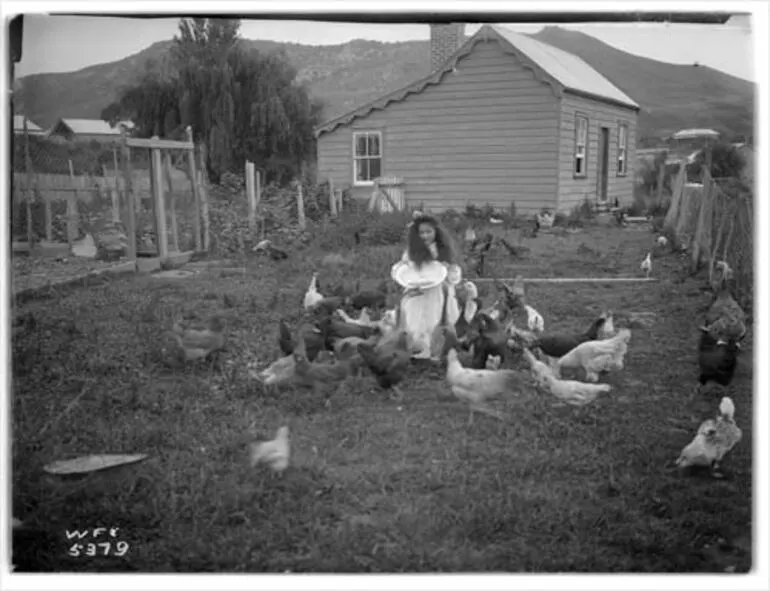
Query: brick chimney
[{"x": 445, "y": 39}]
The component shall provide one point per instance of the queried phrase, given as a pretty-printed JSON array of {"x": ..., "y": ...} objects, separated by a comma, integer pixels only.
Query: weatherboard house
[
  {"x": 86, "y": 130},
  {"x": 502, "y": 119}
]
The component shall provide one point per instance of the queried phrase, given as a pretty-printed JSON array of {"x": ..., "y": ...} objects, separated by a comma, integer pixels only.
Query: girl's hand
[{"x": 413, "y": 291}]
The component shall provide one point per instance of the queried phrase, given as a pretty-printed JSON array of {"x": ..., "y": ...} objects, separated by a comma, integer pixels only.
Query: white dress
[{"x": 421, "y": 314}]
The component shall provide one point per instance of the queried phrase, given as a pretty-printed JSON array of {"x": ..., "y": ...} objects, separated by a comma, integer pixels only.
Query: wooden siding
[
  {"x": 573, "y": 191},
  {"x": 487, "y": 134}
]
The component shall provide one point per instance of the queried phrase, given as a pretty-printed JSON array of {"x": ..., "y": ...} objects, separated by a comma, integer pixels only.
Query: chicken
[
  {"x": 470, "y": 235},
  {"x": 515, "y": 296},
  {"x": 514, "y": 251},
  {"x": 278, "y": 373},
  {"x": 717, "y": 359},
  {"x": 597, "y": 356},
  {"x": 534, "y": 319},
  {"x": 315, "y": 375},
  {"x": 469, "y": 309},
  {"x": 726, "y": 272},
  {"x": 389, "y": 322},
  {"x": 374, "y": 299},
  {"x": 329, "y": 305},
  {"x": 493, "y": 362},
  {"x": 200, "y": 343},
  {"x": 662, "y": 241},
  {"x": 315, "y": 338},
  {"x": 572, "y": 391},
  {"x": 388, "y": 363},
  {"x": 545, "y": 219},
  {"x": 363, "y": 320},
  {"x": 713, "y": 440},
  {"x": 606, "y": 330},
  {"x": 491, "y": 340},
  {"x": 312, "y": 295},
  {"x": 725, "y": 318},
  {"x": 558, "y": 345},
  {"x": 646, "y": 265},
  {"x": 274, "y": 453},
  {"x": 340, "y": 330},
  {"x": 475, "y": 386},
  {"x": 273, "y": 252}
]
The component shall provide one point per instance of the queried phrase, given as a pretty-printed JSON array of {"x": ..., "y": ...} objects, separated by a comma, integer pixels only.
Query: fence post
[
  {"x": 251, "y": 194},
  {"x": 72, "y": 208},
  {"x": 30, "y": 192},
  {"x": 332, "y": 198},
  {"x": 160, "y": 204},
  {"x": 203, "y": 178},
  {"x": 300, "y": 206},
  {"x": 195, "y": 189},
  {"x": 129, "y": 198},
  {"x": 172, "y": 200}
]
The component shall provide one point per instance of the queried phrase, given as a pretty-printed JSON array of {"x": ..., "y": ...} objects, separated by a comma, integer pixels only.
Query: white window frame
[
  {"x": 622, "y": 159},
  {"x": 580, "y": 150},
  {"x": 356, "y": 135}
]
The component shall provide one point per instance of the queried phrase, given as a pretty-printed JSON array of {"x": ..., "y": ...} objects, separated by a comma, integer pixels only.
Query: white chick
[
  {"x": 713, "y": 440},
  {"x": 646, "y": 265},
  {"x": 275, "y": 453},
  {"x": 535, "y": 321},
  {"x": 312, "y": 295}
]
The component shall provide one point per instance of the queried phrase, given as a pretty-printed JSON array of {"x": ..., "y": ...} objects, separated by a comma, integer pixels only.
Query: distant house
[
  {"x": 502, "y": 119},
  {"x": 86, "y": 130},
  {"x": 32, "y": 127}
]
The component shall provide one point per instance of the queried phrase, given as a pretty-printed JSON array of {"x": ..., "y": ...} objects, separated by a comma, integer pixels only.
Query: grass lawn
[{"x": 375, "y": 485}]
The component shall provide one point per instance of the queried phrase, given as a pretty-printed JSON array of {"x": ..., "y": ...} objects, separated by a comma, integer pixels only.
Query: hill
[{"x": 344, "y": 76}]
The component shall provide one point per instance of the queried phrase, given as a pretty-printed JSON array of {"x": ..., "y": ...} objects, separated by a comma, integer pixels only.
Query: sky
[{"x": 68, "y": 43}]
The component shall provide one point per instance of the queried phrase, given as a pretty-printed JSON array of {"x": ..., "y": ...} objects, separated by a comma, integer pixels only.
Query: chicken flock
[{"x": 497, "y": 349}]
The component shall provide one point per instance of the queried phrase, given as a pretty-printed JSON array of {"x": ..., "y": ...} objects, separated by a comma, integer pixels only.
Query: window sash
[
  {"x": 581, "y": 146},
  {"x": 622, "y": 148},
  {"x": 367, "y": 156}
]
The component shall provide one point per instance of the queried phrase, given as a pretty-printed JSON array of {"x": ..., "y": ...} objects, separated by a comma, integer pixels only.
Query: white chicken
[
  {"x": 470, "y": 234},
  {"x": 574, "y": 392},
  {"x": 662, "y": 241},
  {"x": 277, "y": 373},
  {"x": 646, "y": 265},
  {"x": 597, "y": 356},
  {"x": 471, "y": 306},
  {"x": 713, "y": 440},
  {"x": 474, "y": 386},
  {"x": 312, "y": 295},
  {"x": 363, "y": 319},
  {"x": 535, "y": 321},
  {"x": 727, "y": 272},
  {"x": 540, "y": 370},
  {"x": 388, "y": 323},
  {"x": 274, "y": 453},
  {"x": 606, "y": 330}
]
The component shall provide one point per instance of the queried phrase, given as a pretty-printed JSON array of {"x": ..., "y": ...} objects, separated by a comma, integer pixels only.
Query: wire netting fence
[
  {"x": 65, "y": 190},
  {"x": 714, "y": 221}
]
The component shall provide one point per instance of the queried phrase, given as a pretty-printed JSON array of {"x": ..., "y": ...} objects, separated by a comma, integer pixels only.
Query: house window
[
  {"x": 367, "y": 156},
  {"x": 581, "y": 146},
  {"x": 622, "y": 149}
]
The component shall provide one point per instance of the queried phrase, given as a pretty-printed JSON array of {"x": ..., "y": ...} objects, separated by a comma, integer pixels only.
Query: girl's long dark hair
[{"x": 419, "y": 253}]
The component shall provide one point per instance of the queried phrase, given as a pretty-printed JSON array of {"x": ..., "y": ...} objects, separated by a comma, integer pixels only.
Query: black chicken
[
  {"x": 316, "y": 338},
  {"x": 491, "y": 340},
  {"x": 558, "y": 345},
  {"x": 388, "y": 364},
  {"x": 717, "y": 359}
]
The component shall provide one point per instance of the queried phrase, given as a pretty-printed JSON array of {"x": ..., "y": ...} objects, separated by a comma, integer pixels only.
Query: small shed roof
[
  {"x": 688, "y": 134},
  {"x": 565, "y": 69},
  {"x": 18, "y": 124},
  {"x": 90, "y": 126}
]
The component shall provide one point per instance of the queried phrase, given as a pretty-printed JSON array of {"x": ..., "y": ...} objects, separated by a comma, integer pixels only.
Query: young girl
[{"x": 422, "y": 309}]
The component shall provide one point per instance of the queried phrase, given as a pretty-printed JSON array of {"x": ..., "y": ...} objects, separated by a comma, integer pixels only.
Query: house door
[{"x": 604, "y": 163}]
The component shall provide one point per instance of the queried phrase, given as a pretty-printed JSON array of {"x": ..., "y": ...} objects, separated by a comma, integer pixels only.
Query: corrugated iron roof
[
  {"x": 564, "y": 68},
  {"x": 568, "y": 69},
  {"x": 18, "y": 124},
  {"x": 90, "y": 126}
]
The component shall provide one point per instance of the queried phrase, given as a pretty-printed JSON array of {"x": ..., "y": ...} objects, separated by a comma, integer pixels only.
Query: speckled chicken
[{"x": 713, "y": 440}]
